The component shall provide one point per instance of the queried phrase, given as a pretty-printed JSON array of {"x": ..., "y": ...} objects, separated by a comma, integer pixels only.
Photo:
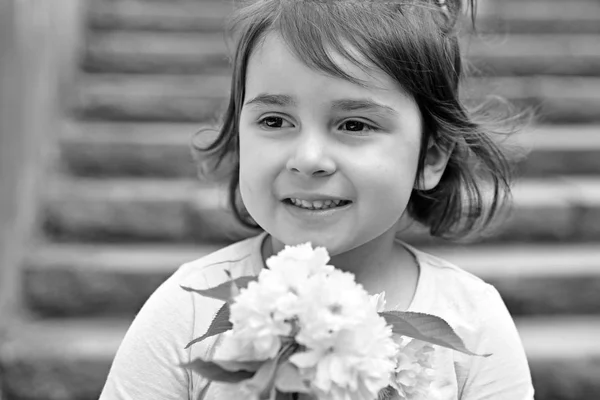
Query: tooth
[
  {"x": 306, "y": 203},
  {"x": 317, "y": 204},
  {"x": 328, "y": 203},
  {"x": 337, "y": 202}
]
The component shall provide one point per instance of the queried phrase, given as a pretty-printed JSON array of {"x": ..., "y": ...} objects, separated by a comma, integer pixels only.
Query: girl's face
[{"x": 308, "y": 140}]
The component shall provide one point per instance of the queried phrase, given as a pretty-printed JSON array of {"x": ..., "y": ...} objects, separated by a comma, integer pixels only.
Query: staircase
[{"x": 126, "y": 210}]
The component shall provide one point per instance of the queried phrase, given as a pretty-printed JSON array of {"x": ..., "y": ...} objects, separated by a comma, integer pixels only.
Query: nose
[{"x": 311, "y": 156}]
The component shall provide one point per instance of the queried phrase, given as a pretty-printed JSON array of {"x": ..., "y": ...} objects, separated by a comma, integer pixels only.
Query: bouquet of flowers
[{"x": 304, "y": 328}]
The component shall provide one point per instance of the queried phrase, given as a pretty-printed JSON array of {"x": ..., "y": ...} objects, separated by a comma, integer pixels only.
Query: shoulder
[
  {"x": 468, "y": 303},
  {"x": 172, "y": 302},
  {"x": 170, "y": 318},
  {"x": 238, "y": 259},
  {"x": 457, "y": 280},
  {"x": 477, "y": 313}
]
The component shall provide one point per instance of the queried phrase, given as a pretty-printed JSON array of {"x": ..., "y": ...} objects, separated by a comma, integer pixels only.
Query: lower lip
[{"x": 307, "y": 213}]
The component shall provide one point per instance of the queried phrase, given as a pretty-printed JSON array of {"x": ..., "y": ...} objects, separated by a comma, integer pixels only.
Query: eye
[
  {"x": 273, "y": 122},
  {"x": 357, "y": 126}
]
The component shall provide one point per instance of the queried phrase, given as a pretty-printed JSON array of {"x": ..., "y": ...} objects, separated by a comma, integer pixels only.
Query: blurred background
[{"x": 100, "y": 202}]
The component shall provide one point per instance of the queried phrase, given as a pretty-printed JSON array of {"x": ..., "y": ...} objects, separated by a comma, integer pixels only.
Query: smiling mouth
[{"x": 317, "y": 204}]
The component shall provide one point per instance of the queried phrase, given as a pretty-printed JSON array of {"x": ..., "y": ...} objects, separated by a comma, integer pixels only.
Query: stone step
[
  {"x": 69, "y": 359},
  {"x": 185, "y": 52},
  {"x": 132, "y": 210},
  {"x": 108, "y": 149},
  {"x": 152, "y": 98},
  {"x": 198, "y": 98},
  {"x": 540, "y": 16},
  {"x": 104, "y": 149},
  {"x": 96, "y": 280},
  {"x": 152, "y": 52},
  {"x": 554, "y": 209},
  {"x": 536, "y": 279},
  {"x": 202, "y": 16},
  {"x": 561, "y": 149},
  {"x": 542, "y": 54},
  {"x": 553, "y": 99},
  {"x": 563, "y": 355},
  {"x": 59, "y": 359},
  {"x": 78, "y": 280},
  {"x": 522, "y": 16}
]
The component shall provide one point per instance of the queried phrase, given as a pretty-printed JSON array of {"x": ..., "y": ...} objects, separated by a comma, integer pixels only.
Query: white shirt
[{"x": 146, "y": 366}]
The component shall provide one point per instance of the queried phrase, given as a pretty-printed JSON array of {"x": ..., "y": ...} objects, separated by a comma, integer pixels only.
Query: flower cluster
[
  {"x": 303, "y": 326},
  {"x": 346, "y": 350}
]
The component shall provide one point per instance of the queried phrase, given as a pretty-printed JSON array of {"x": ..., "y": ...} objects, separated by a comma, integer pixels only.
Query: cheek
[
  {"x": 249, "y": 170},
  {"x": 391, "y": 164},
  {"x": 390, "y": 185},
  {"x": 258, "y": 169},
  {"x": 387, "y": 178},
  {"x": 247, "y": 142}
]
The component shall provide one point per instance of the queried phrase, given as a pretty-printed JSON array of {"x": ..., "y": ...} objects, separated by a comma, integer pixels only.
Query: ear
[{"x": 436, "y": 160}]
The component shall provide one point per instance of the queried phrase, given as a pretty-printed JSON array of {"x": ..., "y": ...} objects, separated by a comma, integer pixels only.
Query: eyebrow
[
  {"x": 265, "y": 99},
  {"x": 362, "y": 105},
  {"x": 347, "y": 105}
]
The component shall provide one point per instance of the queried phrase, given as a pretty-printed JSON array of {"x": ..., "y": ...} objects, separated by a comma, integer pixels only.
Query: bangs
[{"x": 402, "y": 39}]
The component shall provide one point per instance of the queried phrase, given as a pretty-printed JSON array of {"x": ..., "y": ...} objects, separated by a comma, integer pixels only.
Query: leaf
[
  {"x": 289, "y": 380},
  {"x": 233, "y": 287},
  {"x": 223, "y": 291},
  {"x": 235, "y": 366},
  {"x": 262, "y": 381},
  {"x": 428, "y": 328},
  {"x": 214, "y": 372},
  {"x": 219, "y": 324}
]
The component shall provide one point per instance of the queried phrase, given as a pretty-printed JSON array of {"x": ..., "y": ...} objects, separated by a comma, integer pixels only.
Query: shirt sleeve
[
  {"x": 504, "y": 375},
  {"x": 146, "y": 365}
]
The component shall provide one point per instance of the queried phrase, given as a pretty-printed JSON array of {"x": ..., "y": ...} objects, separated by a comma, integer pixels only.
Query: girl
[{"x": 344, "y": 118}]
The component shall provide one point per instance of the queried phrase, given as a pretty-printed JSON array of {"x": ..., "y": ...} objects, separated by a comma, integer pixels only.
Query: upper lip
[{"x": 313, "y": 196}]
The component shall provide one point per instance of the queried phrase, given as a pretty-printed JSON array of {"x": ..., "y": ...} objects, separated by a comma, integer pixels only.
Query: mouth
[{"x": 316, "y": 204}]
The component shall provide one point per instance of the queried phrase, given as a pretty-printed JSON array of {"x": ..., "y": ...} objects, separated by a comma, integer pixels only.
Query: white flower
[
  {"x": 357, "y": 366},
  {"x": 349, "y": 348},
  {"x": 302, "y": 254},
  {"x": 294, "y": 265},
  {"x": 328, "y": 304},
  {"x": 264, "y": 311},
  {"x": 378, "y": 301},
  {"x": 257, "y": 326},
  {"x": 413, "y": 374}
]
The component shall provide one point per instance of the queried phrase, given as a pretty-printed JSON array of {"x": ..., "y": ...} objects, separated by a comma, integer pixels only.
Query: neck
[
  {"x": 369, "y": 259},
  {"x": 375, "y": 264}
]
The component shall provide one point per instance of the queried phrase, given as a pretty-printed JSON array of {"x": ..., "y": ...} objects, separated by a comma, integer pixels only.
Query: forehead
[{"x": 273, "y": 66}]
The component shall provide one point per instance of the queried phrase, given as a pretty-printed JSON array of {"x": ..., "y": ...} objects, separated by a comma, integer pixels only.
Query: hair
[{"x": 416, "y": 42}]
